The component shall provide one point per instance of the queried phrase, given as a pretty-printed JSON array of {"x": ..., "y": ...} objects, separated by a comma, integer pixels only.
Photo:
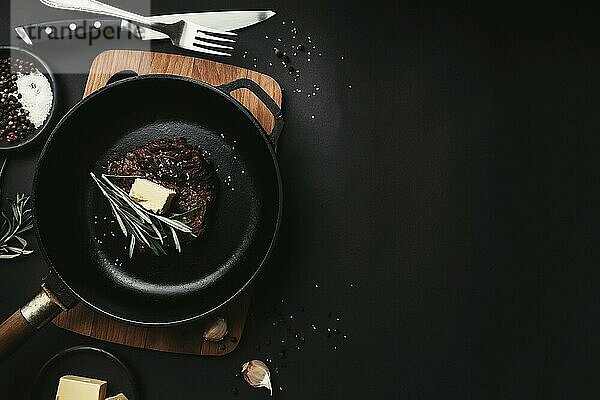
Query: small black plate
[
  {"x": 11, "y": 51},
  {"x": 84, "y": 361}
]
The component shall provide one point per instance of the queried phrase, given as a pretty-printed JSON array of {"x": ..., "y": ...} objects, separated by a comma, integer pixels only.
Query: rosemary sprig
[
  {"x": 12, "y": 243},
  {"x": 138, "y": 224}
]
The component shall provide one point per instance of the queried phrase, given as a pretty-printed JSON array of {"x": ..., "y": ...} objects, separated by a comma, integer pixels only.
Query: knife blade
[{"x": 221, "y": 20}]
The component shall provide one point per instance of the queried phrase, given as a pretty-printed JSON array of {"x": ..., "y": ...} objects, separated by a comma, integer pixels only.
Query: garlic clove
[
  {"x": 257, "y": 374},
  {"x": 216, "y": 330}
]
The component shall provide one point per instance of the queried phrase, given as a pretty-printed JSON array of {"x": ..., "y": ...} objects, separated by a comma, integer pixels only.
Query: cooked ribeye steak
[{"x": 174, "y": 164}]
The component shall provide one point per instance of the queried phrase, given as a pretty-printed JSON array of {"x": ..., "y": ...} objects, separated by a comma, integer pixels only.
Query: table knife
[{"x": 220, "y": 20}]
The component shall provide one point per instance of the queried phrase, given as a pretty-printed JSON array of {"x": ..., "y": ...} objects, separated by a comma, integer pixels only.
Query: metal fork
[{"x": 183, "y": 34}]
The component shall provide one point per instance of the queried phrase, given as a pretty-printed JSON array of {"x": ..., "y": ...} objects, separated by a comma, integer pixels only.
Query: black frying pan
[{"x": 88, "y": 264}]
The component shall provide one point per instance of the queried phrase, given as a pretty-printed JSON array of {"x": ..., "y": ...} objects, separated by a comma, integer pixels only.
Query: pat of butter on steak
[{"x": 152, "y": 196}]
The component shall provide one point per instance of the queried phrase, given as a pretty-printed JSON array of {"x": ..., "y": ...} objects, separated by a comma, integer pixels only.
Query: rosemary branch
[
  {"x": 138, "y": 224},
  {"x": 12, "y": 243}
]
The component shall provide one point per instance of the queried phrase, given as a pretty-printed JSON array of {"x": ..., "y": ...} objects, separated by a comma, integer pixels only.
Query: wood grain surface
[{"x": 185, "y": 338}]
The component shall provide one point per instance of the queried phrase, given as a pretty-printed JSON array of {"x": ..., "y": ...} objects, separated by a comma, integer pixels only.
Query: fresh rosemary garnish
[
  {"x": 12, "y": 243},
  {"x": 137, "y": 223}
]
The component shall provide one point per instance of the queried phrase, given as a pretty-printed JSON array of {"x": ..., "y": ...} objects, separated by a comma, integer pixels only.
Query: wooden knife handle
[{"x": 26, "y": 321}]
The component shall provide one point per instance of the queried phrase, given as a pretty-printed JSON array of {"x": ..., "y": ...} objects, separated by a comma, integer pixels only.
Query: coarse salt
[{"x": 37, "y": 96}]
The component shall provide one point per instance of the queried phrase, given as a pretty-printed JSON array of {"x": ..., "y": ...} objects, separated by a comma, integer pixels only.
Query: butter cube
[
  {"x": 71, "y": 387},
  {"x": 120, "y": 396},
  {"x": 152, "y": 196}
]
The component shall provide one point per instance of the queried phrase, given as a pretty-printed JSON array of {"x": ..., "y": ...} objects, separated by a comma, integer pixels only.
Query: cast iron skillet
[{"x": 88, "y": 264}]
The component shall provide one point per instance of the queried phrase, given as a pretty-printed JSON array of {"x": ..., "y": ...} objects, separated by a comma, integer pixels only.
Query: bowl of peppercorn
[{"x": 27, "y": 97}]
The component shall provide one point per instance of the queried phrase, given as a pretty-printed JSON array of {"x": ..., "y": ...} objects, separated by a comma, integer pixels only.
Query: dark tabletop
[{"x": 439, "y": 204}]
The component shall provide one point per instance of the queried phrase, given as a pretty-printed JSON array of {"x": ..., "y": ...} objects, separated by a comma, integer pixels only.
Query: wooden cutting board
[{"x": 185, "y": 338}]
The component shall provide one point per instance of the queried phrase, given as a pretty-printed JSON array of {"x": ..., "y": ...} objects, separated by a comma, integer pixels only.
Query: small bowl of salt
[{"x": 27, "y": 98}]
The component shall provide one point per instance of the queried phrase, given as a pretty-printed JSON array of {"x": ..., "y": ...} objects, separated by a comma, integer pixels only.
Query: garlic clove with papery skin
[
  {"x": 257, "y": 374},
  {"x": 216, "y": 330}
]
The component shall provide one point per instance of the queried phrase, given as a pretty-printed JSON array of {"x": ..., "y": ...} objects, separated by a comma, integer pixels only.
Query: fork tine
[
  {"x": 209, "y": 44},
  {"x": 203, "y": 35},
  {"x": 187, "y": 35},
  {"x": 211, "y": 30},
  {"x": 208, "y": 51}
]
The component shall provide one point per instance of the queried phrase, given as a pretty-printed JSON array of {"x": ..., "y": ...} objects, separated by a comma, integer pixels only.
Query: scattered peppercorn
[
  {"x": 291, "y": 69},
  {"x": 300, "y": 47},
  {"x": 278, "y": 53},
  {"x": 286, "y": 59}
]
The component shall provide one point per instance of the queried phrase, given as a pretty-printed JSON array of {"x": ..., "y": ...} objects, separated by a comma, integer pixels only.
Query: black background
[{"x": 443, "y": 205}]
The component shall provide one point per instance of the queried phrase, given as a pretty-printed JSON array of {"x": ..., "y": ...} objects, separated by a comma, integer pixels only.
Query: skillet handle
[
  {"x": 267, "y": 100},
  {"x": 26, "y": 321}
]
